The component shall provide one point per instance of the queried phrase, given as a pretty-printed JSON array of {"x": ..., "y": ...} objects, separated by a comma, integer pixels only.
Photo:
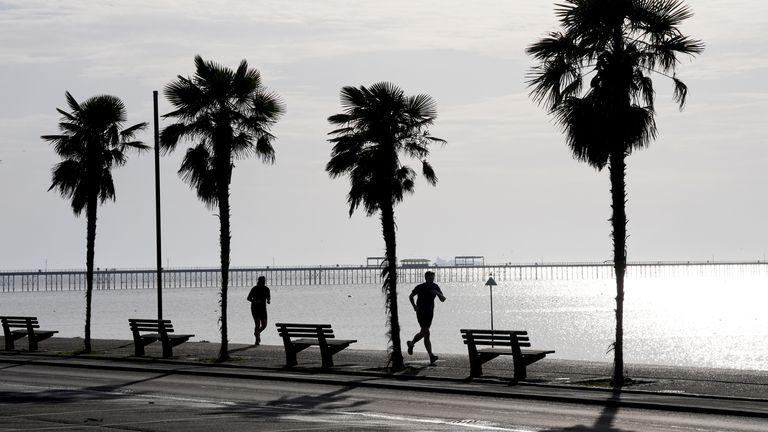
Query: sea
[{"x": 685, "y": 321}]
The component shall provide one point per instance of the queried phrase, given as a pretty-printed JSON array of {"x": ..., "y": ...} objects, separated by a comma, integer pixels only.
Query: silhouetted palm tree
[
  {"x": 227, "y": 115},
  {"x": 379, "y": 124},
  {"x": 91, "y": 144},
  {"x": 621, "y": 43}
]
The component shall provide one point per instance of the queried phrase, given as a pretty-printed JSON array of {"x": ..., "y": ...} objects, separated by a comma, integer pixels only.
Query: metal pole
[
  {"x": 491, "y": 307},
  {"x": 157, "y": 212}
]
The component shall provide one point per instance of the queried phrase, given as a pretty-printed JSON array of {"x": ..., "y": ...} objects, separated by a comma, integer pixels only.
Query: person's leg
[
  {"x": 261, "y": 324},
  {"x": 417, "y": 337},
  {"x": 427, "y": 323},
  {"x": 256, "y": 325}
]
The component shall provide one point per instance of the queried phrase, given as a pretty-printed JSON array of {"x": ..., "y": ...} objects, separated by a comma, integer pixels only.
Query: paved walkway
[{"x": 695, "y": 389}]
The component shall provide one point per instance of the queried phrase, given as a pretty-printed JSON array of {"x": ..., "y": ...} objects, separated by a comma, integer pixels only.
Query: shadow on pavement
[
  {"x": 100, "y": 393},
  {"x": 603, "y": 423},
  {"x": 321, "y": 404}
]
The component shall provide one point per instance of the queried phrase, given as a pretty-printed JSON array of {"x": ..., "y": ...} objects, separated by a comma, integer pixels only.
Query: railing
[{"x": 109, "y": 279}]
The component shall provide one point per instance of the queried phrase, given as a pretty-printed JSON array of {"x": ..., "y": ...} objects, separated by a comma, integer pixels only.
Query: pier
[{"x": 127, "y": 279}]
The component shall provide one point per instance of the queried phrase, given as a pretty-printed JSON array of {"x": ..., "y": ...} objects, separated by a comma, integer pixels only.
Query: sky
[{"x": 508, "y": 188}]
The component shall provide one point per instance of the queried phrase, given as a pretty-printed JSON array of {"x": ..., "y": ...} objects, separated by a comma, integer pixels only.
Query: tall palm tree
[
  {"x": 621, "y": 43},
  {"x": 91, "y": 143},
  {"x": 227, "y": 114},
  {"x": 378, "y": 125}
]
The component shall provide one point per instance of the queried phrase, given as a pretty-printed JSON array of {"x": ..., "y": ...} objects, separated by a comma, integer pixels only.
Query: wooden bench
[
  {"x": 26, "y": 326},
  {"x": 308, "y": 335},
  {"x": 159, "y": 330},
  {"x": 500, "y": 342}
]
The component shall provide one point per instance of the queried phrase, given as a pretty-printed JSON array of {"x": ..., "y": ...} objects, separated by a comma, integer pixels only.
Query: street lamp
[{"x": 490, "y": 284}]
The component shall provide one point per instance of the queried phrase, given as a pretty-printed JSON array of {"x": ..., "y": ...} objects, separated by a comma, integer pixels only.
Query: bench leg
[
  {"x": 138, "y": 350},
  {"x": 520, "y": 372},
  {"x": 475, "y": 367},
  {"x": 167, "y": 349},
  {"x": 290, "y": 354},
  {"x": 32, "y": 343},
  {"x": 327, "y": 357},
  {"x": 520, "y": 365},
  {"x": 290, "y": 357},
  {"x": 9, "y": 345}
]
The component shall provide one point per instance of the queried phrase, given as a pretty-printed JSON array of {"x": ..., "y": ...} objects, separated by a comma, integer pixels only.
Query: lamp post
[
  {"x": 490, "y": 284},
  {"x": 158, "y": 242}
]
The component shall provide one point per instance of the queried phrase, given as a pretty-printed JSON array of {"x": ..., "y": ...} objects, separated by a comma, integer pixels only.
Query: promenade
[{"x": 722, "y": 391}]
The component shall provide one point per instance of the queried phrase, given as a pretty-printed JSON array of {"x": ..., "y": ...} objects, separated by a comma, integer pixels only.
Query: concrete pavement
[{"x": 722, "y": 391}]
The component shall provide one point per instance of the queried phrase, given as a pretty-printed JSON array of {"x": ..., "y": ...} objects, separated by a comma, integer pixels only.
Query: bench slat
[
  {"x": 303, "y": 325},
  {"x": 305, "y": 334}
]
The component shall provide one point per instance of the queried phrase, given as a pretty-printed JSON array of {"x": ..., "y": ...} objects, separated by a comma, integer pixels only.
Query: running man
[
  {"x": 425, "y": 308},
  {"x": 259, "y": 298}
]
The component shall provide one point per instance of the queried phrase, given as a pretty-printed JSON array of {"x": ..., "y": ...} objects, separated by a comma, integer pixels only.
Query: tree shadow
[
  {"x": 603, "y": 423},
  {"x": 94, "y": 393},
  {"x": 237, "y": 350},
  {"x": 320, "y": 404}
]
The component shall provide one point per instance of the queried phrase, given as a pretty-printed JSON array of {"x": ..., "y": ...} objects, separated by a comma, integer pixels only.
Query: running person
[
  {"x": 424, "y": 306},
  {"x": 259, "y": 298}
]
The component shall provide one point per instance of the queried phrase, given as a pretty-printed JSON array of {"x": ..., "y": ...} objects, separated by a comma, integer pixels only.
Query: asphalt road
[{"x": 43, "y": 398}]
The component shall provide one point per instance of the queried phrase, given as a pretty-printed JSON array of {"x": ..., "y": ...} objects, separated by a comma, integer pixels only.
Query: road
[{"x": 44, "y": 398}]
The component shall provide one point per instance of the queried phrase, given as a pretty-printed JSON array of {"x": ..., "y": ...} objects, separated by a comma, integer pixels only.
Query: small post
[
  {"x": 157, "y": 212},
  {"x": 490, "y": 284}
]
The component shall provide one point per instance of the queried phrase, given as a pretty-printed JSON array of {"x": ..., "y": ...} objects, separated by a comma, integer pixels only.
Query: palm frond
[
  {"x": 106, "y": 187},
  {"x": 197, "y": 170},
  {"x": 264, "y": 149},
  {"x": 680, "y": 93},
  {"x": 129, "y": 132},
  {"x": 428, "y": 172},
  {"x": 639, "y": 127},
  {"x": 73, "y": 105}
]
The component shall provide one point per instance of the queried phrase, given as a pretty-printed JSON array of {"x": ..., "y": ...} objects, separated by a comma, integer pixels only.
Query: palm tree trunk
[
  {"x": 617, "y": 170},
  {"x": 89, "y": 255},
  {"x": 390, "y": 284},
  {"x": 224, "y": 238}
]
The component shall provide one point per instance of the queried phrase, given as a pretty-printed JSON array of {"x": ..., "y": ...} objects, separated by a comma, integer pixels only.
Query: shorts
[
  {"x": 424, "y": 318},
  {"x": 259, "y": 311}
]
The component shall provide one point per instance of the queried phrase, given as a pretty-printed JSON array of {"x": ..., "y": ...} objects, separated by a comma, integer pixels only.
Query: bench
[
  {"x": 159, "y": 330},
  {"x": 26, "y": 327},
  {"x": 298, "y": 337},
  {"x": 500, "y": 342}
]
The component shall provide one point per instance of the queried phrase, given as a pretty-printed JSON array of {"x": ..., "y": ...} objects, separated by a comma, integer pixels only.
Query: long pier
[{"x": 123, "y": 279}]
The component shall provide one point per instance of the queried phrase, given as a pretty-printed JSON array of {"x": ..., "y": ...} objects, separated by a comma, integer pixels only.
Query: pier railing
[{"x": 120, "y": 279}]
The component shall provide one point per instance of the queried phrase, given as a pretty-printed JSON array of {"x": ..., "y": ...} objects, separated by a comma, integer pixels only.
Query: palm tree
[
  {"x": 378, "y": 125},
  {"x": 621, "y": 43},
  {"x": 227, "y": 115},
  {"x": 91, "y": 143}
]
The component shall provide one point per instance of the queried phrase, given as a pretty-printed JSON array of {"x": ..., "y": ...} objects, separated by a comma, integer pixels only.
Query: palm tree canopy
[
  {"x": 379, "y": 123},
  {"x": 621, "y": 43},
  {"x": 228, "y": 114},
  {"x": 91, "y": 143}
]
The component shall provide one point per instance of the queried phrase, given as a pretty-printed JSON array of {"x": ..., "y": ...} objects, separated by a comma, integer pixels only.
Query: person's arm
[
  {"x": 250, "y": 295},
  {"x": 269, "y": 297},
  {"x": 440, "y": 294},
  {"x": 410, "y": 298}
]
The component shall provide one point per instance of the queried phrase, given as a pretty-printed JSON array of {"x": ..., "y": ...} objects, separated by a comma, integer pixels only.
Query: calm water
[{"x": 712, "y": 322}]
